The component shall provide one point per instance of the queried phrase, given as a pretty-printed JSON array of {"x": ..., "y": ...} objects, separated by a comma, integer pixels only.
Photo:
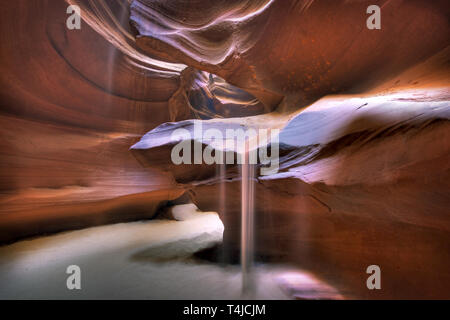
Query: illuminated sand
[{"x": 139, "y": 260}]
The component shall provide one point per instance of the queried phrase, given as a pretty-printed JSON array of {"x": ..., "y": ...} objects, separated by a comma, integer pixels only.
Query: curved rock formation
[
  {"x": 300, "y": 50},
  {"x": 358, "y": 173},
  {"x": 73, "y": 102}
]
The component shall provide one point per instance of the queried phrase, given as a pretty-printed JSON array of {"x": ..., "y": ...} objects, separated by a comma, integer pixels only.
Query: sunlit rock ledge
[{"x": 326, "y": 128}]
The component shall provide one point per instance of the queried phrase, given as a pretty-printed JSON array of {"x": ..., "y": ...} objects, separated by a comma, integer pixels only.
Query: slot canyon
[{"x": 87, "y": 175}]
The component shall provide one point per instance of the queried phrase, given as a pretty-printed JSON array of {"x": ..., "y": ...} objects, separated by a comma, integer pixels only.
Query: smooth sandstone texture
[
  {"x": 298, "y": 50},
  {"x": 73, "y": 102},
  {"x": 363, "y": 176}
]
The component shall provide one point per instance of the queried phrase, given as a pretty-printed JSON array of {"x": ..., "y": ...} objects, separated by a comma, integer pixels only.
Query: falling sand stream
[{"x": 247, "y": 221}]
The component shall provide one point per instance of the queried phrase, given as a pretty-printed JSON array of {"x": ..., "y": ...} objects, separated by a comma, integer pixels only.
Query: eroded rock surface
[{"x": 73, "y": 102}]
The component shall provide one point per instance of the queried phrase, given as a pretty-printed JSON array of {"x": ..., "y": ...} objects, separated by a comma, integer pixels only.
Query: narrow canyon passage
[{"x": 244, "y": 149}]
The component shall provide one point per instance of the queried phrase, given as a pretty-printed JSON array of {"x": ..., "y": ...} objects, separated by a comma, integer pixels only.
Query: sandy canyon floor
[{"x": 142, "y": 260}]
